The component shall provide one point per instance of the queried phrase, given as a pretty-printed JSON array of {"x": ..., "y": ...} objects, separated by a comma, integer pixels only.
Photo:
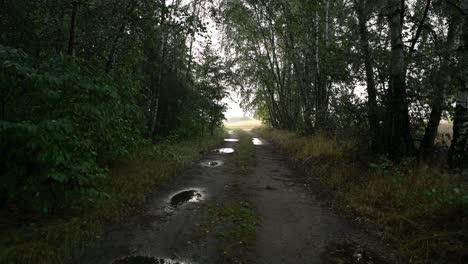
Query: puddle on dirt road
[
  {"x": 224, "y": 150},
  {"x": 231, "y": 140},
  {"x": 257, "y": 141},
  {"x": 186, "y": 196},
  {"x": 349, "y": 253},
  {"x": 211, "y": 163},
  {"x": 146, "y": 260},
  {"x": 231, "y": 132}
]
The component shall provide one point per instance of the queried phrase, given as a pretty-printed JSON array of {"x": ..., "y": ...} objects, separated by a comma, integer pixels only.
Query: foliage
[
  {"x": 128, "y": 75},
  {"x": 58, "y": 122}
]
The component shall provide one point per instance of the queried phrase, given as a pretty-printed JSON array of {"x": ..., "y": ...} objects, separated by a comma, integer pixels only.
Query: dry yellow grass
[
  {"x": 420, "y": 209},
  {"x": 445, "y": 133}
]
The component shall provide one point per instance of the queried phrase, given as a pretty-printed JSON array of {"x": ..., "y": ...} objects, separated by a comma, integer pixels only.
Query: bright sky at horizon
[{"x": 214, "y": 35}]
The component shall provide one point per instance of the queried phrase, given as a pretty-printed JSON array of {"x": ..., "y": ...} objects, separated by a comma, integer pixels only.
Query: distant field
[
  {"x": 445, "y": 132},
  {"x": 445, "y": 129},
  {"x": 243, "y": 124}
]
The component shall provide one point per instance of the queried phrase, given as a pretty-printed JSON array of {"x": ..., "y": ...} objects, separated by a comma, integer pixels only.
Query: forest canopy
[{"x": 309, "y": 59}]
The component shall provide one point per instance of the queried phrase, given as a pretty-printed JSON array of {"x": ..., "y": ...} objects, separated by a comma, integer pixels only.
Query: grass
[
  {"x": 419, "y": 209},
  {"x": 235, "y": 221},
  {"x": 58, "y": 239}
]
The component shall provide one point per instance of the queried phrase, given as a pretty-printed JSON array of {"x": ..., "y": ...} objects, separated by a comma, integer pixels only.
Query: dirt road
[{"x": 292, "y": 227}]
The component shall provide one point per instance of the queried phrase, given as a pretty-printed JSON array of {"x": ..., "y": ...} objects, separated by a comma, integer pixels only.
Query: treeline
[
  {"x": 85, "y": 81},
  {"x": 303, "y": 63}
]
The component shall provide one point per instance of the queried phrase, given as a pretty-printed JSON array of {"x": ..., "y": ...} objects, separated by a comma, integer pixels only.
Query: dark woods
[
  {"x": 303, "y": 62},
  {"x": 85, "y": 81},
  {"x": 89, "y": 80}
]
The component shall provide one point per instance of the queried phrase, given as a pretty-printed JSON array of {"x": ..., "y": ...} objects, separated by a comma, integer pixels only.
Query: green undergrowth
[
  {"x": 419, "y": 209},
  {"x": 234, "y": 221},
  {"x": 57, "y": 239}
]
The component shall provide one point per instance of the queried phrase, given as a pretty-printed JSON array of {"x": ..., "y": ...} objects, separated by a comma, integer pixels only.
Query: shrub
[{"x": 58, "y": 122}]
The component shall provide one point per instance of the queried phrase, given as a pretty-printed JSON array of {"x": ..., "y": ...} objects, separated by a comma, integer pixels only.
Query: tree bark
[
  {"x": 399, "y": 141},
  {"x": 363, "y": 16},
  {"x": 458, "y": 154},
  {"x": 72, "y": 32}
]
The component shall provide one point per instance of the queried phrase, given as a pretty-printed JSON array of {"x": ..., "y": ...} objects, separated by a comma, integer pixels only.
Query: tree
[
  {"x": 210, "y": 83},
  {"x": 399, "y": 140},
  {"x": 444, "y": 76},
  {"x": 362, "y": 8},
  {"x": 458, "y": 155}
]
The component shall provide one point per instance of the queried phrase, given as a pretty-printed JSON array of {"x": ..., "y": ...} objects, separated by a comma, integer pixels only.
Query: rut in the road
[{"x": 199, "y": 215}]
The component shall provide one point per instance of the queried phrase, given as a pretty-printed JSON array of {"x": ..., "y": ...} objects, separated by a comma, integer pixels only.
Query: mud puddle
[
  {"x": 257, "y": 142},
  {"x": 211, "y": 163},
  {"x": 231, "y": 140},
  {"x": 187, "y": 196},
  {"x": 224, "y": 150},
  {"x": 146, "y": 260},
  {"x": 349, "y": 253}
]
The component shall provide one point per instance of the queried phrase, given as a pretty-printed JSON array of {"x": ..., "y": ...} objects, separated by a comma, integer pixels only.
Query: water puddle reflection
[
  {"x": 231, "y": 140},
  {"x": 211, "y": 163},
  {"x": 146, "y": 260},
  {"x": 224, "y": 150},
  {"x": 187, "y": 196},
  {"x": 257, "y": 142}
]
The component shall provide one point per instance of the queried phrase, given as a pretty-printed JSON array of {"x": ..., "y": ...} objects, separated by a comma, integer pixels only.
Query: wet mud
[
  {"x": 349, "y": 253},
  {"x": 146, "y": 260},
  {"x": 294, "y": 226},
  {"x": 211, "y": 163}
]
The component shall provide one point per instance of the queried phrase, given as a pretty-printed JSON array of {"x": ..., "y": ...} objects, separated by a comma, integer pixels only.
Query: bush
[{"x": 58, "y": 122}]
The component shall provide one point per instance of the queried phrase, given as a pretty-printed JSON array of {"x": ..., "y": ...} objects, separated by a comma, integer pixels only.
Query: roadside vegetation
[
  {"x": 99, "y": 102},
  {"x": 420, "y": 209},
  {"x": 59, "y": 237}
]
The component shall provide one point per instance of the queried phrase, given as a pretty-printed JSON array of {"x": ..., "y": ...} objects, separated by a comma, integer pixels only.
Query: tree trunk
[
  {"x": 399, "y": 140},
  {"x": 442, "y": 85},
  {"x": 363, "y": 16},
  {"x": 321, "y": 78},
  {"x": 158, "y": 92},
  {"x": 458, "y": 154},
  {"x": 72, "y": 34}
]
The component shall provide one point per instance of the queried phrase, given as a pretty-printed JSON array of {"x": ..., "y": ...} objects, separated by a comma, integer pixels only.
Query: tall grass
[
  {"x": 58, "y": 239},
  {"x": 421, "y": 209}
]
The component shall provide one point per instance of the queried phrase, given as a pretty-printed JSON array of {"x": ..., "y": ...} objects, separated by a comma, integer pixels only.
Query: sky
[{"x": 233, "y": 108}]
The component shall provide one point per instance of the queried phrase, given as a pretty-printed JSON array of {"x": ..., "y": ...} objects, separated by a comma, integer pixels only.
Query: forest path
[{"x": 293, "y": 226}]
